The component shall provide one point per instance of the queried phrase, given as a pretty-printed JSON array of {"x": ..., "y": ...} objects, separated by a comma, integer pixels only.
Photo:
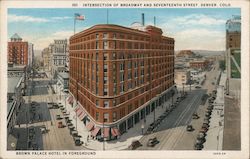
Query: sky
[{"x": 192, "y": 28}]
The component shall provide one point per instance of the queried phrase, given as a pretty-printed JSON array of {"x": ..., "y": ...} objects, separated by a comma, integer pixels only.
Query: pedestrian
[{"x": 88, "y": 138}]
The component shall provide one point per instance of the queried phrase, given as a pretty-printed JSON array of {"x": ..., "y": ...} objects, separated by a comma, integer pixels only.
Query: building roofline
[{"x": 108, "y": 26}]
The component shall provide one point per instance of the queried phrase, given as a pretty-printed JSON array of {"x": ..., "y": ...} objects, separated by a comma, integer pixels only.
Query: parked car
[
  {"x": 189, "y": 128},
  {"x": 135, "y": 144},
  {"x": 197, "y": 87},
  {"x": 195, "y": 116},
  {"x": 77, "y": 141},
  {"x": 152, "y": 142},
  {"x": 198, "y": 146},
  {"x": 58, "y": 117}
]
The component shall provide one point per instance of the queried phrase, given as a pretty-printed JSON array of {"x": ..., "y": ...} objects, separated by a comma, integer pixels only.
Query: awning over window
[
  {"x": 82, "y": 115},
  {"x": 90, "y": 126},
  {"x": 106, "y": 132},
  {"x": 95, "y": 131},
  {"x": 115, "y": 132},
  {"x": 70, "y": 100}
]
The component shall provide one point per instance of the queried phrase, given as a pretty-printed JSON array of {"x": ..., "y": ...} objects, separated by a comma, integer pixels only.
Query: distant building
[
  {"x": 199, "y": 64},
  {"x": 30, "y": 54},
  {"x": 59, "y": 55},
  {"x": 182, "y": 76},
  {"x": 17, "y": 50},
  {"x": 63, "y": 80},
  {"x": 46, "y": 54},
  {"x": 233, "y": 32},
  {"x": 120, "y": 75},
  {"x": 232, "y": 118},
  {"x": 185, "y": 53},
  {"x": 233, "y": 47}
]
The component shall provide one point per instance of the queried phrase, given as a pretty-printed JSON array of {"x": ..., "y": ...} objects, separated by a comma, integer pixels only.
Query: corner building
[
  {"x": 17, "y": 50},
  {"x": 119, "y": 75}
]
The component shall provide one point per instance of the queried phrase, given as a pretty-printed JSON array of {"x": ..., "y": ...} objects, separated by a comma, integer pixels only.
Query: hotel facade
[{"x": 119, "y": 75}]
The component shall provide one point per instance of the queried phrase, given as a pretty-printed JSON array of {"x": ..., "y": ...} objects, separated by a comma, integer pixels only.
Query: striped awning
[
  {"x": 95, "y": 131},
  {"x": 106, "y": 132},
  {"x": 115, "y": 132},
  {"x": 82, "y": 115},
  {"x": 70, "y": 100},
  {"x": 90, "y": 126}
]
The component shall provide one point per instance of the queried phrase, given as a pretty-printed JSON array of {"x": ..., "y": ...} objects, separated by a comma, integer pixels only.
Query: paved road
[
  {"x": 182, "y": 114},
  {"x": 172, "y": 128}
]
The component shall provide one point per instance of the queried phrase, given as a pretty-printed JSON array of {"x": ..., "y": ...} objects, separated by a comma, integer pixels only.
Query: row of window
[
  {"x": 114, "y": 35},
  {"x": 119, "y": 45}
]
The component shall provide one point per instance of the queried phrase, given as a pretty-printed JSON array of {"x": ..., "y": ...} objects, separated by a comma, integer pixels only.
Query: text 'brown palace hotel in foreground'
[{"x": 121, "y": 75}]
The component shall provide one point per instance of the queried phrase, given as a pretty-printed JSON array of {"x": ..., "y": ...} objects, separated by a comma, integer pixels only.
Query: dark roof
[{"x": 16, "y": 36}]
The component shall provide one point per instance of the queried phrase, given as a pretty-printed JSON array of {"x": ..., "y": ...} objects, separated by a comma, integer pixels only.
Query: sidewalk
[
  {"x": 125, "y": 140},
  {"x": 214, "y": 138}
]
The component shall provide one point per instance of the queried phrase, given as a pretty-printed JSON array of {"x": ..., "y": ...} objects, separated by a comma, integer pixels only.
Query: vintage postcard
[{"x": 127, "y": 79}]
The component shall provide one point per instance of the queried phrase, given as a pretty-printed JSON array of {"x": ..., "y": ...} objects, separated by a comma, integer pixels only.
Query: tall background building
[
  {"x": 17, "y": 50},
  {"x": 119, "y": 75},
  {"x": 232, "y": 117},
  {"x": 59, "y": 56}
]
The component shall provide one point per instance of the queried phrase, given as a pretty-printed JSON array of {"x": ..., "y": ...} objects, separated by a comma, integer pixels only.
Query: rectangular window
[
  {"x": 114, "y": 102},
  {"x": 114, "y": 116},
  {"x": 106, "y": 104},
  {"x": 121, "y": 76},
  {"x": 114, "y": 56},
  {"x": 105, "y": 90},
  {"x": 96, "y": 89},
  {"x": 135, "y": 64},
  {"x": 97, "y": 36},
  {"x": 105, "y": 80},
  {"x": 97, "y": 116},
  {"x": 96, "y": 45},
  {"x": 136, "y": 73},
  {"x": 129, "y": 64},
  {"x": 142, "y": 72},
  {"x": 105, "y": 35},
  {"x": 105, "y": 56},
  {"x": 129, "y": 75},
  {"x": 121, "y": 87},
  {"x": 114, "y": 90},
  {"x": 122, "y": 65},
  {"x": 105, "y": 45},
  {"x": 106, "y": 117},
  {"x": 105, "y": 68},
  {"x": 97, "y": 102},
  {"x": 129, "y": 85}
]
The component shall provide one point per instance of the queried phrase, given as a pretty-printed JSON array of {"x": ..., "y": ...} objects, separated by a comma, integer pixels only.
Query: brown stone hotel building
[{"x": 119, "y": 75}]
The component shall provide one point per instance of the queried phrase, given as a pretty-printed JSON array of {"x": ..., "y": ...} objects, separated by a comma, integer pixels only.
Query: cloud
[
  {"x": 199, "y": 39},
  {"x": 61, "y": 18},
  {"x": 25, "y": 18},
  {"x": 42, "y": 42},
  {"x": 22, "y": 18},
  {"x": 198, "y": 19},
  {"x": 195, "y": 31}
]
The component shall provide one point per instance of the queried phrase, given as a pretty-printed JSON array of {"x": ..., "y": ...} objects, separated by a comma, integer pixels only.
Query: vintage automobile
[
  {"x": 77, "y": 141},
  {"x": 152, "y": 142},
  {"x": 60, "y": 124},
  {"x": 189, "y": 128},
  {"x": 135, "y": 144}
]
